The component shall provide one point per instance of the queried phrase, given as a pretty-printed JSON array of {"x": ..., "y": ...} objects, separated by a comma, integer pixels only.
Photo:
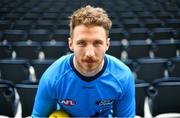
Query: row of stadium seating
[
  {"x": 41, "y": 35},
  {"x": 147, "y": 69},
  {"x": 151, "y": 99},
  {"x": 61, "y": 5},
  {"x": 121, "y": 49},
  {"x": 126, "y": 23}
]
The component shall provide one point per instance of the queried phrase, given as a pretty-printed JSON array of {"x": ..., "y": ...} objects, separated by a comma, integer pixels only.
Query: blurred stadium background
[{"x": 145, "y": 35}]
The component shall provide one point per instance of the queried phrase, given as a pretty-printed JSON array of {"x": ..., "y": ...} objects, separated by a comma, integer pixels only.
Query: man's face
[{"x": 89, "y": 44}]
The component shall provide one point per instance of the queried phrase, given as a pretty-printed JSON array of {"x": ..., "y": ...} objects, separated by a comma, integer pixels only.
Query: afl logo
[{"x": 68, "y": 102}]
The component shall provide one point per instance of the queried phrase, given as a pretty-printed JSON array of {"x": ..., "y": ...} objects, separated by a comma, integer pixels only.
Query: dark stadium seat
[
  {"x": 14, "y": 70},
  {"x": 165, "y": 98},
  {"x": 14, "y": 35},
  {"x": 162, "y": 33},
  {"x": 44, "y": 24},
  {"x": 165, "y": 48},
  {"x": 149, "y": 69},
  {"x": 174, "y": 69},
  {"x": 115, "y": 49},
  {"x": 172, "y": 23},
  {"x": 50, "y": 16},
  {"x": 26, "y": 49},
  {"x": 7, "y": 99},
  {"x": 62, "y": 25},
  {"x": 6, "y": 50},
  {"x": 138, "y": 49},
  {"x": 163, "y": 15},
  {"x": 153, "y": 23},
  {"x": 60, "y": 35},
  {"x": 13, "y": 16},
  {"x": 54, "y": 50},
  {"x": 127, "y": 15},
  {"x": 39, "y": 35},
  {"x": 40, "y": 66},
  {"x": 118, "y": 34},
  {"x": 23, "y": 24},
  {"x": 132, "y": 23},
  {"x": 5, "y": 24},
  {"x": 145, "y": 15},
  {"x": 141, "y": 95},
  {"x": 27, "y": 92},
  {"x": 31, "y": 16},
  {"x": 138, "y": 34}
]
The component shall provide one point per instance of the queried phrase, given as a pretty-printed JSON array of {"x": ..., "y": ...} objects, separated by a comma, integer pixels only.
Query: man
[{"x": 88, "y": 82}]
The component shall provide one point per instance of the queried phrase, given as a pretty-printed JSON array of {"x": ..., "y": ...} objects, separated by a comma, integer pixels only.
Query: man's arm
[
  {"x": 125, "y": 107},
  {"x": 44, "y": 104}
]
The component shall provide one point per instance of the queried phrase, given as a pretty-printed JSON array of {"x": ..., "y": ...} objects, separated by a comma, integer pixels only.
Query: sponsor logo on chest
[{"x": 68, "y": 102}]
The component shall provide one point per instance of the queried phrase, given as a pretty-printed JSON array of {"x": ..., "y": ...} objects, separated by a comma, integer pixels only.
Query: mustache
[{"x": 89, "y": 59}]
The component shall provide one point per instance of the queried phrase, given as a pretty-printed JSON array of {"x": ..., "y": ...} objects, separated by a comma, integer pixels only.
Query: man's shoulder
[
  {"x": 116, "y": 63},
  {"x": 117, "y": 68},
  {"x": 58, "y": 67}
]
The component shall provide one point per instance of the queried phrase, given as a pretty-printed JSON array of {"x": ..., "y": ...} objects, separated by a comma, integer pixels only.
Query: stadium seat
[
  {"x": 40, "y": 66},
  {"x": 162, "y": 33},
  {"x": 14, "y": 35},
  {"x": 138, "y": 49},
  {"x": 115, "y": 49},
  {"x": 60, "y": 35},
  {"x": 127, "y": 15},
  {"x": 39, "y": 35},
  {"x": 172, "y": 23},
  {"x": 117, "y": 34},
  {"x": 62, "y": 25},
  {"x": 145, "y": 15},
  {"x": 138, "y": 34},
  {"x": 54, "y": 50},
  {"x": 44, "y": 24},
  {"x": 13, "y": 16},
  {"x": 165, "y": 48},
  {"x": 153, "y": 23},
  {"x": 31, "y": 16},
  {"x": 132, "y": 23},
  {"x": 149, "y": 69},
  {"x": 49, "y": 16},
  {"x": 6, "y": 50},
  {"x": 141, "y": 95},
  {"x": 165, "y": 99},
  {"x": 26, "y": 49},
  {"x": 5, "y": 24},
  {"x": 7, "y": 99},
  {"x": 174, "y": 67},
  {"x": 14, "y": 70},
  {"x": 23, "y": 24},
  {"x": 163, "y": 15},
  {"x": 27, "y": 92}
]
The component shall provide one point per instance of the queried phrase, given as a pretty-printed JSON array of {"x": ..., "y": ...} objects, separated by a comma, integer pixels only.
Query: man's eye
[
  {"x": 81, "y": 43},
  {"x": 98, "y": 43}
]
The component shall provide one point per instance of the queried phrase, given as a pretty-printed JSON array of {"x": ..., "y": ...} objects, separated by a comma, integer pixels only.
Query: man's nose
[{"x": 89, "y": 51}]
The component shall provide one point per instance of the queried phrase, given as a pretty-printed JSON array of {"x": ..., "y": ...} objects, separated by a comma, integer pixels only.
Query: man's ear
[
  {"x": 107, "y": 43},
  {"x": 70, "y": 44}
]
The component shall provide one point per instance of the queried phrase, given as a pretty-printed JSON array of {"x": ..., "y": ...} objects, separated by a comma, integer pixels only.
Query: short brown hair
[{"x": 90, "y": 16}]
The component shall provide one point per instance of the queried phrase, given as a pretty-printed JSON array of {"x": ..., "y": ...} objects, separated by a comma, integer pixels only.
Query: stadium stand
[{"x": 145, "y": 35}]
